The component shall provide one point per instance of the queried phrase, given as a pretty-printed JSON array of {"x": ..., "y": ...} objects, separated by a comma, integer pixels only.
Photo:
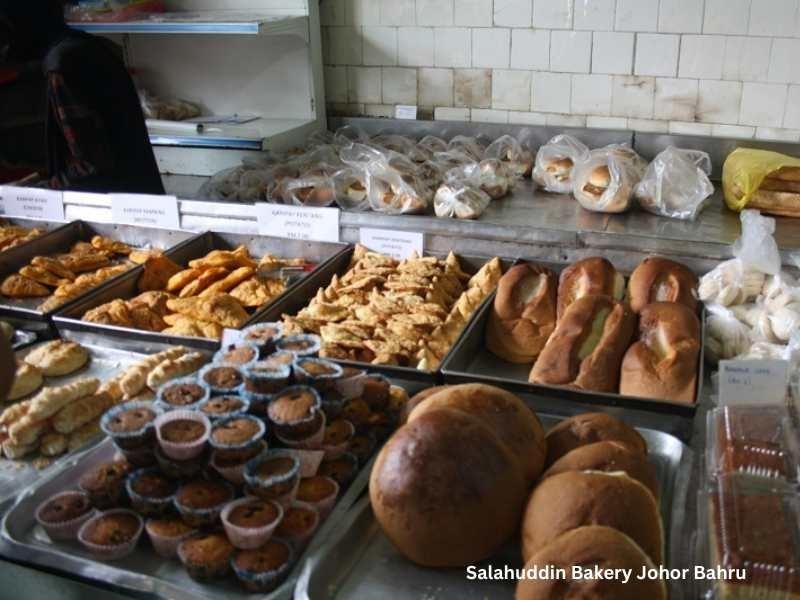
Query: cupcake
[
  {"x": 266, "y": 378},
  {"x": 264, "y": 336},
  {"x": 398, "y": 399},
  {"x": 222, "y": 407},
  {"x": 319, "y": 373},
  {"x": 200, "y": 502},
  {"x": 332, "y": 405},
  {"x": 357, "y": 411},
  {"x": 259, "y": 403},
  {"x": 299, "y": 440},
  {"x": 150, "y": 492},
  {"x": 237, "y": 433},
  {"x": 182, "y": 434},
  {"x": 62, "y": 515},
  {"x": 337, "y": 438},
  {"x": 130, "y": 425},
  {"x": 206, "y": 556},
  {"x": 262, "y": 570},
  {"x": 166, "y": 533},
  {"x": 274, "y": 475},
  {"x": 351, "y": 383},
  {"x": 376, "y": 392},
  {"x": 105, "y": 484},
  {"x": 280, "y": 358},
  {"x": 342, "y": 470},
  {"x": 303, "y": 344},
  {"x": 222, "y": 379},
  {"x": 230, "y": 463},
  {"x": 320, "y": 492},
  {"x": 111, "y": 535},
  {"x": 237, "y": 355},
  {"x": 182, "y": 469},
  {"x": 299, "y": 523},
  {"x": 362, "y": 446},
  {"x": 186, "y": 393},
  {"x": 249, "y": 522},
  {"x": 295, "y": 411},
  {"x": 141, "y": 457}
]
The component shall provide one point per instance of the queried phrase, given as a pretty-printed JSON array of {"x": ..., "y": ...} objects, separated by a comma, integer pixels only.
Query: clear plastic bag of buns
[
  {"x": 490, "y": 175},
  {"x": 517, "y": 159},
  {"x": 350, "y": 184},
  {"x": 460, "y": 199},
  {"x": 605, "y": 181},
  {"x": 555, "y": 162},
  {"x": 316, "y": 188},
  {"x": 471, "y": 146},
  {"x": 676, "y": 184}
]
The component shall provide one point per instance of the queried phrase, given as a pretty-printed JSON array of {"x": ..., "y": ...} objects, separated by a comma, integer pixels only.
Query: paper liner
[
  {"x": 214, "y": 417},
  {"x": 166, "y": 546},
  {"x": 203, "y": 572},
  {"x": 221, "y": 391},
  {"x": 265, "y": 346},
  {"x": 313, "y": 348},
  {"x": 182, "y": 469},
  {"x": 322, "y": 382},
  {"x": 235, "y": 473},
  {"x": 276, "y": 486},
  {"x": 262, "y": 429},
  {"x": 167, "y": 407},
  {"x": 146, "y": 505},
  {"x": 312, "y": 442},
  {"x": 131, "y": 440},
  {"x": 266, "y": 581},
  {"x": 333, "y": 451},
  {"x": 299, "y": 540},
  {"x": 202, "y": 517},
  {"x": 141, "y": 457},
  {"x": 185, "y": 450},
  {"x": 219, "y": 356},
  {"x": 301, "y": 426},
  {"x": 266, "y": 382},
  {"x": 249, "y": 538},
  {"x": 351, "y": 387},
  {"x": 325, "y": 505},
  {"x": 64, "y": 530},
  {"x": 110, "y": 552}
]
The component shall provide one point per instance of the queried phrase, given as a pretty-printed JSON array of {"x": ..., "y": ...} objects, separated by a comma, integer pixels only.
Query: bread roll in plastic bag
[
  {"x": 757, "y": 246},
  {"x": 348, "y": 135},
  {"x": 745, "y": 170},
  {"x": 490, "y": 175},
  {"x": 460, "y": 199},
  {"x": 402, "y": 145},
  {"x": 432, "y": 144},
  {"x": 390, "y": 191},
  {"x": 555, "y": 163},
  {"x": 351, "y": 189},
  {"x": 518, "y": 160},
  {"x": 605, "y": 181},
  {"x": 314, "y": 189},
  {"x": 676, "y": 184},
  {"x": 467, "y": 145},
  {"x": 726, "y": 336}
]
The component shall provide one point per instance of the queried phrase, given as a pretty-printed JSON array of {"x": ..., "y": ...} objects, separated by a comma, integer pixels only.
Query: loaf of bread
[
  {"x": 524, "y": 313},
  {"x": 587, "y": 277},
  {"x": 449, "y": 487},
  {"x": 590, "y": 428},
  {"x": 658, "y": 279}
]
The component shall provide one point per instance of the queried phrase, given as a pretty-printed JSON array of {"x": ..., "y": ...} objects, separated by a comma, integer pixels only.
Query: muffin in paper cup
[
  {"x": 249, "y": 538},
  {"x": 299, "y": 524},
  {"x": 230, "y": 467},
  {"x": 263, "y": 378},
  {"x": 302, "y": 344},
  {"x": 337, "y": 438},
  {"x": 351, "y": 383},
  {"x": 319, "y": 373},
  {"x": 141, "y": 436},
  {"x": 264, "y": 336},
  {"x": 240, "y": 355},
  {"x": 259, "y": 403},
  {"x": 110, "y": 551},
  {"x": 376, "y": 391},
  {"x": 312, "y": 441},
  {"x": 342, "y": 470},
  {"x": 222, "y": 379},
  {"x": 273, "y": 474},
  {"x": 320, "y": 492},
  {"x": 268, "y": 576},
  {"x": 212, "y": 566},
  {"x": 184, "y": 393},
  {"x": 217, "y": 408},
  {"x": 202, "y": 516},
  {"x": 141, "y": 457},
  {"x": 65, "y": 526},
  {"x": 332, "y": 405},
  {"x": 149, "y": 505},
  {"x": 310, "y": 461},
  {"x": 295, "y": 411},
  {"x": 182, "y": 450},
  {"x": 182, "y": 469},
  {"x": 166, "y": 545},
  {"x": 105, "y": 484},
  {"x": 362, "y": 446}
]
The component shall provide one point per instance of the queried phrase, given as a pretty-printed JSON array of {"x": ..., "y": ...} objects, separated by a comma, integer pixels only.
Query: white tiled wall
[{"x": 710, "y": 67}]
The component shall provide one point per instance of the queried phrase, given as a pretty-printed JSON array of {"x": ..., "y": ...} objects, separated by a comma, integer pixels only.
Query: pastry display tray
[
  {"x": 60, "y": 241},
  {"x": 69, "y": 323},
  {"x": 359, "y": 561},
  {"x": 292, "y": 303},
  {"x": 104, "y": 364}
]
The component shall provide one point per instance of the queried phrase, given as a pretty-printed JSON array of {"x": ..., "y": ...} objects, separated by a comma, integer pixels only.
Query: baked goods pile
[
  {"x": 64, "y": 277},
  {"x": 12, "y": 236},
  {"x": 217, "y": 291},
  {"x": 587, "y": 329},
  {"x": 406, "y": 313},
  {"x": 236, "y": 480},
  {"x": 762, "y": 180}
]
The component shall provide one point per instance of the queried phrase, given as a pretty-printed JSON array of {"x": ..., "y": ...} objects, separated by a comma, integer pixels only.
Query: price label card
[
  {"x": 298, "y": 222},
  {"x": 397, "y": 244},
  {"x": 33, "y": 203},
  {"x": 405, "y": 111},
  {"x": 753, "y": 382},
  {"x": 145, "y": 210},
  {"x": 85, "y": 198}
]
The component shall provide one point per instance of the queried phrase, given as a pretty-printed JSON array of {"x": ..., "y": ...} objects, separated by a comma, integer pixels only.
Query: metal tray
[
  {"x": 470, "y": 361},
  {"x": 69, "y": 323},
  {"x": 359, "y": 561},
  {"x": 144, "y": 571},
  {"x": 60, "y": 241},
  {"x": 47, "y": 226},
  {"x": 104, "y": 364},
  {"x": 306, "y": 290}
]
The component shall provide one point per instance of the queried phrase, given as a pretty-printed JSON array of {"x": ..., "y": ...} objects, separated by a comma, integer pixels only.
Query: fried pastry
[
  {"x": 230, "y": 260},
  {"x": 84, "y": 248},
  {"x": 139, "y": 257},
  {"x": 82, "y": 435},
  {"x": 223, "y": 309},
  {"x": 81, "y": 412},
  {"x": 173, "y": 368},
  {"x": 115, "y": 313},
  {"x": 84, "y": 262},
  {"x": 105, "y": 244},
  {"x": 257, "y": 292},
  {"x": 53, "y": 444},
  {"x": 27, "y": 380},
  {"x": 155, "y": 301},
  {"x": 188, "y": 327},
  {"x": 58, "y": 358},
  {"x": 206, "y": 278},
  {"x": 181, "y": 279},
  {"x": 51, "y": 400},
  {"x": 229, "y": 282},
  {"x": 157, "y": 272},
  {"x": 52, "y": 303},
  {"x": 14, "y": 413},
  {"x": 147, "y": 319},
  {"x": 55, "y": 267},
  {"x": 17, "y": 286},
  {"x": 134, "y": 379},
  {"x": 27, "y": 430}
]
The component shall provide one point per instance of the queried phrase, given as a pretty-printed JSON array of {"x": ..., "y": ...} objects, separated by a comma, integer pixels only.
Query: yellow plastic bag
[{"x": 744, "y": 171}]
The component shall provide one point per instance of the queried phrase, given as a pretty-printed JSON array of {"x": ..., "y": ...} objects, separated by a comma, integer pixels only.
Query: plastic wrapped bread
[
  {"x": 605, "y": 181},
  {"x": 556, "y": 161},
  {"x": 676, "y": 184}
]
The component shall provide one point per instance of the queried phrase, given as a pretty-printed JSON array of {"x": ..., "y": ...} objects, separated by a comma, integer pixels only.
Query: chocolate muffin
[
  {"x": 263, "y": 569},
  {"x": 220, "y": 407},
  {"x": 222, "y": 379},
  {"x": 206, "y": 556},
  {"x": 237, "y": 432},
  {"x": 150, "y": 491},
  {"x": 105, "y": 484},
  {"x": 112, "y": 529},
  {"x": 200, "y": 502},
  {"x": 295, "y": 411},
  {"x": 273, "y": 475}
]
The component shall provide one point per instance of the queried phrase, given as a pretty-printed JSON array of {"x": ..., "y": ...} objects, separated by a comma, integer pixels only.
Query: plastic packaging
[
  {"x": 605, "y": 181},
  {"x": 726, "y": 336},
  {"x": 460, "y": 200},
  {"x": 432, "y": 144},
  {"x": 757, "y": 246},
  {"x": 348, "y": 135},
  {"x": 676, "y": 184},
  {"x": 490, "y": 175},
  {"x": 555, "y": 162},
  {"x": 313, "y": 189},
  {"x": 745, "y": 170},
  {"x": 510, "y": 152},
  {"x": 350, "y": 184},
  {"x": 467, "y": 145},
  {"x": 731, "y": 282},
  {"x": 390, "y": 191},
  {"x": 167, "y": 109}
]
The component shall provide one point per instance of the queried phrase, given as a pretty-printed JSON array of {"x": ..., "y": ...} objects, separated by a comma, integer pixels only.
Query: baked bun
[
  {"x": 598, "y": 181},
  {"x": 662, "y": 365},
  {"x": 608, "y": 457},
  {"x": 588, "y": 546},
  {"x": 27, "y": 380},
  {"x": 560, "y": 168},
  {"x": 524, "y": 313},
  {"x": 590, "y": 428},
  {"x": 574, "y": 499},
  {"x": 659, "y": 279},
  {"x": 449, "y": 487},
  {"x": 418, "y": 398},
  {"x": 586, "y": 349},
  {"x": 590, "y": 276}
]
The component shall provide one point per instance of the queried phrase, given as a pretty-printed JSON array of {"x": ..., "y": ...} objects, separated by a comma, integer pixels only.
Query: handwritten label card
[
  {"x": 146, "y": 211},
  {"x": 33, "y": 203},
  {"x": 298, "y": 222},
  {"x": 405, "y": 111},
  {"x": 753, "y": 382},
  {"x": 397, "y": 244}
]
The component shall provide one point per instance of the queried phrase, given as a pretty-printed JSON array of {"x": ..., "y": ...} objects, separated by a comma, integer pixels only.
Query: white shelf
[
  {"x": 247, "y": 136},
  {"x": 206, "y": 22}
]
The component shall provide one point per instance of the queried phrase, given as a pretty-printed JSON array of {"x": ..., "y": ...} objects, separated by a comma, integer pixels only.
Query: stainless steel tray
[
  {"x": 306, "y": 290},
  {"x": 61, "y": 240},
  {"x": 15, "y": 475},
  {"x": 144, "y": 571},
  {"x": 359, "y": 561},
  {"x": 68, "y": 319}
]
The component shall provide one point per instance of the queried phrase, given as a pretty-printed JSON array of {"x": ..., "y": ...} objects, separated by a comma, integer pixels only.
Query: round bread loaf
[
  {"x": 589, "y": 428},
  {"x": 588, "y": 277},
  {"x": 449, "y": 487},
  {"x": 524, "y": 313},
  {"x": 574, "y": 499},
  {"x": 658, "y": 279},
  {"x": 589, "y": 546},
  {"x": 418, "y": 398}
]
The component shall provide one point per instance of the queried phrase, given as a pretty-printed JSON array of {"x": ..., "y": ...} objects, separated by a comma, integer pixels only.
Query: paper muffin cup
[
  {"x": 182, "y": 450},
  {"x": 332, "y": 405},
  {"x": 166, "y": 546},
  {"x": 351, "y": 385},
  {"x": 376, "y": 403},
  {"x": 300, "y": 427},
  {"x": 312, "y": 442},
  {"x": 202, "y": 572},
  {"x": 167, "y": 407},
  {"x": 130, "y": 440},
  {"x": 219, "y": 356},
  {"x": 141, "y": 457},
  {"x": 259, "y": 403},
  {"x": 345, "y": 481},
  {"x": 310, "y": 461},
  {"x": 267, "y": 581},
  {"x": 64, "y": 530},
  {"x": 235, "y": 473},
  {"x": 266, "y": 346},
  {"x": 325, "y": 505},
  {"x": 260, "y": 381},
  {"x": 333, "y": 451},
  {"x": 203, "y": 517},
  {"x": 249, "y": 538},
  {"x": 299, "y": 540},
  {"x": 214, "y": 417},
  {"x": 217, "y": 389},
  {"x": 182, "y": 469},
  {"x": 362, "y": 446},
  {"x": 147, "y": 506},
  {"x": 314, "y": 344},
  {"x": 254, "y": 439},
  {"x": 321, "y": 382},
  {"x": 115, "y": 552},
  {"x": 276, "y": 486}
]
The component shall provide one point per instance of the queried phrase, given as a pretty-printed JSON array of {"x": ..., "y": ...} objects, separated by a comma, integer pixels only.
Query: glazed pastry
[
  {"x": 27, "y": 380},
  {"x": 58, "y": 358},
  {"x": 17, "y": 286}
]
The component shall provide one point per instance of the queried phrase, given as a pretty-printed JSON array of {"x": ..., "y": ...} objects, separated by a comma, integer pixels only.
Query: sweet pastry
[
  {"x": 105, "y": 484},
  {"x": 78, "y": 438},
  {"x": 589, "y": 428},
  {"x": 53, "y": 444},
  {"x": 222, "y": 309},
  {"x": 174, "y": 368},
  {"x": 18, "y": 286},
  {"x": 182, "y": 326},
  {"x": 658, "y": 279},
  {"x": 588, "y": 277},
  {"x": 42, "y": 276},
  {"x": 134, "y": 379},
  {"x": 111, "y": 535},
  {"x": 663, "y": 364},
  {"x": 27, "y": 380},
  {"x": 58, "y": 358},
  {"x": 52, "y": 399},
  {"x": 263, "y": 569},
  {"x": 80, "y": 412},
  {"x": 166, "y": 533},
  {"x": 524, "y": 313},
  {"x": 109, "y": 246},
  {"x": 157, "y": 271},
  {"x": 203, "y": 281},
  {"x": 206, "y": 556},
  {"x": 201, "y": 501},
  {"x": 115, "y": 313},
  {"x": 227, "y": 283}
]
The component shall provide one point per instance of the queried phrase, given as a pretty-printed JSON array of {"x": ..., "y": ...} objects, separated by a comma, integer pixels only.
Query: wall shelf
[{"x": 247, "y": 136}]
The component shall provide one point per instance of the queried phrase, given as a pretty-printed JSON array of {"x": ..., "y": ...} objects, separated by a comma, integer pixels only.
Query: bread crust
[
  {"x": 658, "y": 279},
  {"x": 590, "y": 428},
  {"x": 590, "y": 276}
]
